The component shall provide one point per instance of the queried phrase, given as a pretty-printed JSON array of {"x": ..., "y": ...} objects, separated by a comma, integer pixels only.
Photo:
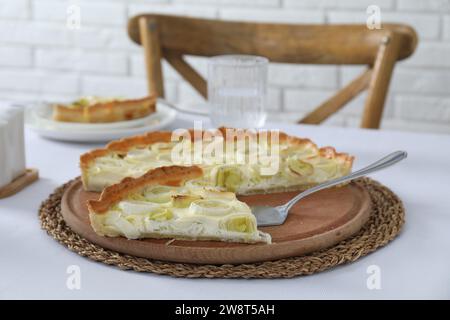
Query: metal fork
[{"x": 273, "y": 216}]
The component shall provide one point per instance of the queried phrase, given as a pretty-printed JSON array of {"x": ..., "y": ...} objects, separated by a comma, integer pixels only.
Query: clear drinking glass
[{"x": 237, "y": 90}]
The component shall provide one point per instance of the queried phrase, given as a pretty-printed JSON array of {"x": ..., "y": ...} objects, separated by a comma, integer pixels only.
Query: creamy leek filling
[
  {"x": 297, "y": 166},
  {"x": 188, "y": 212}
]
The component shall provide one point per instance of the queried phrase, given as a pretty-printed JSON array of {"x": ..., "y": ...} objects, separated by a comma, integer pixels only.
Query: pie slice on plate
[
  {"x": 300, "y": 164},
  {"x": 162, "y": 204},
  {"x": 102, "y": 110}
]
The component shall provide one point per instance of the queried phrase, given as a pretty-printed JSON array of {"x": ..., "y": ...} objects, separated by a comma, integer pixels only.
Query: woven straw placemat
[{"x": 385, "y": 222}]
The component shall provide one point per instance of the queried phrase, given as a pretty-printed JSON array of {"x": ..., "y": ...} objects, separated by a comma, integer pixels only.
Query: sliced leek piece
[
  {"x": 300, "y": 167},
  {"x": 136, "y": 207},
  {"x": 229, "y": 177},
  {"x": 184, "y": 201},
  {"x": 240, "y": 223},
  {"x": 325, "y": 169},
  {"x": 210, "y": 207},
  {"x": 161, "y": 214},
  {"x": 159, "y": 194}
]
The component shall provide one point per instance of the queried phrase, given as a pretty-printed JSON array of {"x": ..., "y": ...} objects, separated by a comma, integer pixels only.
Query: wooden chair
[{"x": 171, "y": 37}]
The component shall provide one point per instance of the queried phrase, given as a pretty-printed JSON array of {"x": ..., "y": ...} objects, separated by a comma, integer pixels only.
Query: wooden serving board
[{"x": 316, "y": 222}]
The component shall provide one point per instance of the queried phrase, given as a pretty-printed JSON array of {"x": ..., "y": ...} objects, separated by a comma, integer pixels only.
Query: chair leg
[
  {"x": 188, "y": 73},
  {"x": 379, "y": 84},
  {"x": 148, "y": 29}
]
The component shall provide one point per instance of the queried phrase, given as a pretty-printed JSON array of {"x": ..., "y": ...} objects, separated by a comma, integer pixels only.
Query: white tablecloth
[{"x": 415, "y": 265}]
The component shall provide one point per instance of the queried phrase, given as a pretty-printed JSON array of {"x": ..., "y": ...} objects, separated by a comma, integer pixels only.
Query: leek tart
[
  {"x": 300, "y": 164},
  {"x": 92, "y": 109},
  {"x": 161, "y": 204}
]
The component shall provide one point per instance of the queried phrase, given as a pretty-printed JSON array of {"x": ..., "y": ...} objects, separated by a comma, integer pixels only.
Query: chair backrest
[{"x": 171, "y": 37}]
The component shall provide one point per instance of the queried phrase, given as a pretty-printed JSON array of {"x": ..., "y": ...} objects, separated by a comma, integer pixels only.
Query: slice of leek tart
[
  {"x": 160, "y": 204},
  {"x": 300, "y": 163}
]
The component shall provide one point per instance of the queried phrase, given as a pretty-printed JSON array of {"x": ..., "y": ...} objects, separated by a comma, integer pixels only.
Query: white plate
[{"x": 39, "y": 120}]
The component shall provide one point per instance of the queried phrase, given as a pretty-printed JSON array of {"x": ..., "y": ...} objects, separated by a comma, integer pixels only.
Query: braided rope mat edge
[{"x": 385, "y": 223}]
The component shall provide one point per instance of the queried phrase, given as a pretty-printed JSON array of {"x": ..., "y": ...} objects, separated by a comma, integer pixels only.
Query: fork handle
[{"x": 385, "y": 162}]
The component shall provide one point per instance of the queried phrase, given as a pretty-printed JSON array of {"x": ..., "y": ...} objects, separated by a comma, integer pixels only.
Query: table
[{"x": 415, "y": 265}]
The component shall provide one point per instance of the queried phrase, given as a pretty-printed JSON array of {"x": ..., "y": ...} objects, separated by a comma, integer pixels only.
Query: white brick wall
[
  {"x": 38, "y": 82},
  {"x": 40, "y": 58},
  {"x": 427, "y": 25},
  {"x": 14, "y": 9},
  {"x": 301, "y": 76},
  {"x": 100, "y": 12},
  {"x": 338, "y": 4},
  {"x": 15, "y": 56},
  {"x": 446, "y": 32},
  {"x": 81, "y": 60}
]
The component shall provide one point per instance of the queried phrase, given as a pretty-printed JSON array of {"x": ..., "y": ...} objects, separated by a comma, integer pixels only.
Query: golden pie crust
[
  {"x": 104, "y": 112},
  {"x": 169, "y": 176}
]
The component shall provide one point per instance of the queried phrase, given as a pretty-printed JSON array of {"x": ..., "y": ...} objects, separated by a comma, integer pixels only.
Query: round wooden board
[{"x": 316, "y": 222}]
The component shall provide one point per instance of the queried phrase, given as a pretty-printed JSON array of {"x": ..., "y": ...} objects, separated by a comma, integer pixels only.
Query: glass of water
[{"x": 237, "y": 90}]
